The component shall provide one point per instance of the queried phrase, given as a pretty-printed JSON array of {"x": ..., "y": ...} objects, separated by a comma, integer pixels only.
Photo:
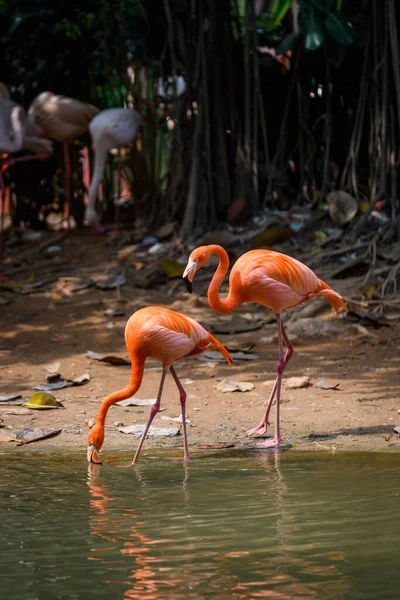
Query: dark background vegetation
[{"x": 249, "y": 132}]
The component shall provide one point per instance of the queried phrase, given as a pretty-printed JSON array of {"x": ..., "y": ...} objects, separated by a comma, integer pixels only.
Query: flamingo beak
[
  {"x": 188, "y": 275},
  {"x": 93, "y": 452}
]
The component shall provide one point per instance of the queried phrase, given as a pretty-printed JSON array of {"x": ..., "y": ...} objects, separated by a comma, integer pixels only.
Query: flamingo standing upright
[
  {"x": 62, "y": 119},
  {"x": 273, "y": 280},
  {"x": 168, "y": 336},
  {"x": 111, "y": 128}
]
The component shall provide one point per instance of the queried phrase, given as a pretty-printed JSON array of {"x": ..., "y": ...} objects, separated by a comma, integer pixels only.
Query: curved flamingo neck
[
  {"x": 126, "y": 392},
  {"x": 232, "y": 301}
]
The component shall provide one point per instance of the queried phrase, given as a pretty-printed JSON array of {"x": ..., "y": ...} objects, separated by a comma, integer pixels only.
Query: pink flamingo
[{"x": 273, "y": 280}]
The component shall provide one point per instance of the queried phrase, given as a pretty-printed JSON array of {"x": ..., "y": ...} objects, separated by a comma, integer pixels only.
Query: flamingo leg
[
  {"x": 262, "y": 427},
  {"x": 2, "y": 207},
  {"x": 183, "y": 406},
  {"x": 154, "y": 410},
  {"x": 280, "y": 367},
  {"x": 68, "y": 176}
]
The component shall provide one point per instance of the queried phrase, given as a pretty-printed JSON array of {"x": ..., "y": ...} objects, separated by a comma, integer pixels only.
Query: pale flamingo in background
[
  {"x": 168, "y": 336},
  {"x": 62, "y": 119},
  {"x": 273, "y": 280},
  {"x": 111, "y": 128},
  {"x": 16, "y": 134}
]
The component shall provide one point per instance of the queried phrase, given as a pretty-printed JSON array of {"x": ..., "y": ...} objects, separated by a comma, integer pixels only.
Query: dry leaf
[
  {"x": 53, "y": 367},
  {"x": 108, "y": 358},
  {"x": 342, "y": 207},
  {"x": 58, "y": 385},
  {"x": 137, "y": 431},
  {"x": 112, "y": 282},
  {"x": 294, "y": 383},
  {"x": 324, "y": 385},
  {"x": 177, "y": 419},
  {"x": 136, "y": 402},
  {"x": 52, "y": 377},
  {"x": 234, "y": 386},
  {"x": 82, "y": 379},
  {"x": 8, "y": 398},
  {"x": 26, "y": 436}
]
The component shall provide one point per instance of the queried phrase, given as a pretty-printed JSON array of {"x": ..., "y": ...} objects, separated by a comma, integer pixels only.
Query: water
[{"x": 228, "y": 525}]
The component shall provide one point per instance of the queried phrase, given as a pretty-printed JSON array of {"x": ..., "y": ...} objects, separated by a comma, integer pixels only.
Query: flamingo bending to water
[
  {"x": 168, "y": 336},
  {"x": 111, "y": 128},
  {"x": 273, "y": 280}
]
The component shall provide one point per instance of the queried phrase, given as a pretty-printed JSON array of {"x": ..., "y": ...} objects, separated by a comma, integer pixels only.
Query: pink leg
[
  {"x": 154, "y": 410},
  {"x": 68, "y": 175},
  {"x": 262, "y": 427},
  {"x": 183, "y": 406},
  {"x": 280, "y": 368},
  {"x": 9, "y": 162},
  {"x": 2, "y": 208}
]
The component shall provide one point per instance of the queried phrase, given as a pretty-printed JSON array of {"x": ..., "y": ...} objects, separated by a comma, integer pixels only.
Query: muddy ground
[{"x": 51, "y": 324}]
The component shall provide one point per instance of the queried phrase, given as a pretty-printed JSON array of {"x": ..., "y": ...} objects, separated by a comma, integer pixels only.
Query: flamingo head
[
  {"x": 95, "y": 442},
  {"x": 197, "y": 259}
]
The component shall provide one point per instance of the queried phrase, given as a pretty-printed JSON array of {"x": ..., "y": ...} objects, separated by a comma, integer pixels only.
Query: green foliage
[{"x": 322, "y": 25}]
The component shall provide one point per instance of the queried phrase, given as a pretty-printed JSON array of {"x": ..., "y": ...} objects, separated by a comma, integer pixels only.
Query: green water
[{"x": 227, "y": 525}]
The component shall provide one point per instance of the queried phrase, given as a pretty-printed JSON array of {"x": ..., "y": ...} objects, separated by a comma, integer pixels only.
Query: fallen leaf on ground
[
  {"x": 53, "y": 367},
  {"x": 294, "y": 383},
  {"x": 82, "y": 379},
  {"x": 58, "y": 385},
  {"x": 108, "y": 358},
  {"x": 324, "y": 385},
  {"x": 243, "y": 356},
  {"x": 52, "y": 377},
  {"x": 26, "y": 436},
  {"x": 112, "y": 282},
  {"x": 177, "y": 419},
  {"x": 234, "y": 386},
  {"x": 136, "y": 402},
  {"x": 137, "y": 431},
  {"x": 8, "y": 398},
  {"x": 42, "y": 400}
]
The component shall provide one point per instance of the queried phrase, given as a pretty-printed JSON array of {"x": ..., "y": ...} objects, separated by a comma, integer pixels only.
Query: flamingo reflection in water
[{"x": 144, "y": 581}]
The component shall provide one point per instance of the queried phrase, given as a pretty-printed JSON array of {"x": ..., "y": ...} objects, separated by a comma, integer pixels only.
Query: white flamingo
[{"x": 111, "y": 128}]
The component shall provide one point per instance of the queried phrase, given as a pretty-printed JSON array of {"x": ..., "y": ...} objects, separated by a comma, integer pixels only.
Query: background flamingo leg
[
  {"x": 183, "y": 406},
  {"x": 154, "y": 410},
  {"x": 2, "y": 208},
  {"x": 68, "y": 176}
]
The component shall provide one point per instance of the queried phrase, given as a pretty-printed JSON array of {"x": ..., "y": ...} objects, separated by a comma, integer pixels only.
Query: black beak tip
[{"x": 188, "y": 285}]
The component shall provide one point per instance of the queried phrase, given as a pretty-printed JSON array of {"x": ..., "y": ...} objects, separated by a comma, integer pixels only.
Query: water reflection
[
  {"x": 227, "y": 525},
  {"x": 194, "y": 540}
]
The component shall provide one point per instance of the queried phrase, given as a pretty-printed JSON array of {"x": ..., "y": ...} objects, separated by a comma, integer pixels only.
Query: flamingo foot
[
  {"x": 261, "y": 429},
  {"x": 270, "y": 443}
]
